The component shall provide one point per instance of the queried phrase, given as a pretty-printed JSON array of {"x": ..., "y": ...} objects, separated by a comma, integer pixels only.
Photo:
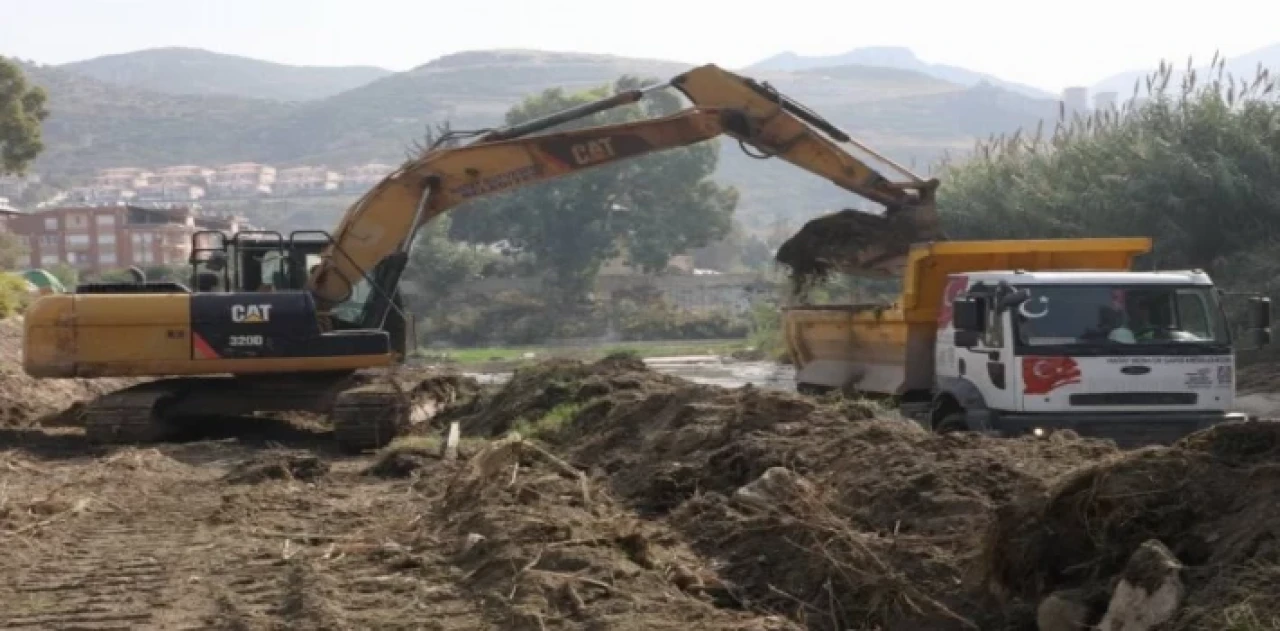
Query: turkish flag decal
[{"x": 1042, "y": 375}]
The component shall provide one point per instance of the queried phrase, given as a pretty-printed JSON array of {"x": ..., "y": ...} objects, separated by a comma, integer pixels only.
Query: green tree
[
  {"x": 439, "y": 264},
  {"x": 22, "y": 110},
  {"x": 656, "y": 206},
  {"x": 1192, "y": 167}
]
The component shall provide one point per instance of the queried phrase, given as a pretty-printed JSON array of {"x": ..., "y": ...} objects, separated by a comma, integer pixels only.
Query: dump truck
[{"x": 1031, "y": 336}]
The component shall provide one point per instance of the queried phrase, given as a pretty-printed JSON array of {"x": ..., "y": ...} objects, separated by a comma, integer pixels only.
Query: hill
[
  {"x": 196, "y": 71},
  {"x": 908, "y": 115},
  {"x": 1243, "y": 67},
  {"x": 94, "y": 124},
  {"x": 892, "y": 57}
]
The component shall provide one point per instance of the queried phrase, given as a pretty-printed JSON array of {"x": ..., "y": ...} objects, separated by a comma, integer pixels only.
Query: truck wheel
[{"x": 951, "y": 423}]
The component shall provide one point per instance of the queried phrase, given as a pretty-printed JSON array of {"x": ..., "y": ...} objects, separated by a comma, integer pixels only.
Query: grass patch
[{"x": 550, "y": 423}]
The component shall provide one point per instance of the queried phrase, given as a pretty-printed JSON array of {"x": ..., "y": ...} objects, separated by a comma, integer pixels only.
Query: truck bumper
[{"x": 1128, "y": 430}]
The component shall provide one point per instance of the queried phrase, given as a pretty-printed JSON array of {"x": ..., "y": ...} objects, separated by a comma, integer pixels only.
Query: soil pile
[
  {"x": 25, "y": 401},
  {"x": 834, "y": 512},
  {"x": 535, "y": 391},
  {"x": 848, "y": 242},
  {"x": 1213, "y": 499},
  {"x": 550, "y": 549}
]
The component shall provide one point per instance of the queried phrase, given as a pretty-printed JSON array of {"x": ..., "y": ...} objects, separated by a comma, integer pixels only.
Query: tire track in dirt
[
  {"x": 157, "y": 539},
  {"x": 117, "y": 569}
]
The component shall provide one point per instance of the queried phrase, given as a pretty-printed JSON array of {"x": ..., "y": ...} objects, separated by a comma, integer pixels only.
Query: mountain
[
  {"x": 892, "y": 57},
  {"x": 909, "y": 116},
  {"x": 1243, "y": 67},
  {"x": 195, "y": 71}
]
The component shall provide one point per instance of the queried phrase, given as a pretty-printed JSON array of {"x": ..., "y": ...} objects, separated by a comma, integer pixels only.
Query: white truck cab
[{"x": 1118, "y": 353}]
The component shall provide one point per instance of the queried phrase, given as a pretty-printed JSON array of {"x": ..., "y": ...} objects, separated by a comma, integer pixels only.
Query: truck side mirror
[
  {"x": 1259, "y": 321},
  {"x": 1260, "y": 312},
  {"x": 969, "y": 317},
  {"x": 969, "y": 314},
  {"x": 965, "y": 339}
]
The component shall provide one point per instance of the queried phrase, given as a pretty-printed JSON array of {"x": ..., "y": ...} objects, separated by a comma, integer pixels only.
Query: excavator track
[
  {"x": 128, "y": 416},
  {"x": 368, "y": 417}
]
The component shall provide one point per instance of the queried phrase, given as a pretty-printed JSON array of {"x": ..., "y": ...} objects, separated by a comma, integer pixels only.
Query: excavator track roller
[
  {"x": 130, "y": 416},
  {"x": 369, "y": 417}
]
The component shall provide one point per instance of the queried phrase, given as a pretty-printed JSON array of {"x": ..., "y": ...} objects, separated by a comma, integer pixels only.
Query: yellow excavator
[{"x": 275, "y": 323}]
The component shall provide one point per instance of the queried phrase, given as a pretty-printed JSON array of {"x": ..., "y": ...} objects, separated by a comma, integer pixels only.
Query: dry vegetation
[{"x": 608, "y": 496}]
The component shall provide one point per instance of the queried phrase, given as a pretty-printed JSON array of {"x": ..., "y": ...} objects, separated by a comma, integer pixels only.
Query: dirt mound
[
  {"x": 25, "y": 401},
  {"x": 555, "y": 550},
  {"x": 277, "y": 466},
  {"x": 848, "y": 241},
  {"x": 535, "y": 391},
  {"x": 880, "y": 527},
  {"x": 1211, "y": 499}
]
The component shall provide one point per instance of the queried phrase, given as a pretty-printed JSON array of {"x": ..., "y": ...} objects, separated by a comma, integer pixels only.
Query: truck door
[{"x": 986, "y": 365}]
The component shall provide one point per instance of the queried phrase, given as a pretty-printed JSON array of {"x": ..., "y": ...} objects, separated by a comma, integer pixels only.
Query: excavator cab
[{"x": 267, "y": 261}]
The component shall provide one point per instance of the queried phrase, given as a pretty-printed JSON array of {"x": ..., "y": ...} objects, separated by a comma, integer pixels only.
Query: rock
[
  {"x": 776, "y": 486},
  {"x": 1064, "y": 610},
  {"x": 472, "y": 540},
  {"x": 1149, "y": 593}
]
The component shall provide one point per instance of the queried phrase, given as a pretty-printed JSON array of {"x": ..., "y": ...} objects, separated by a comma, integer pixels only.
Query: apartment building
[
  {"x": 124, "y": 178},
  {"x": 169, "y": 190},
  {"x": 243, "y": 179},
  {"x": 104, "y": 238},
  {"x": 362, "y": 178},
  {"x": 306, "y": 181},
  {"x": 189, "y": 172}
]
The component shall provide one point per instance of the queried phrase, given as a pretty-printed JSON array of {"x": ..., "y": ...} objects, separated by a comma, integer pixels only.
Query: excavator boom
[
  {"x": 251, "y": 337},
  {"x": 372, "y": 241}
]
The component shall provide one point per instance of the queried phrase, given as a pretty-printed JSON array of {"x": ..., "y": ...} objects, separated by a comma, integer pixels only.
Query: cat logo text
[{"x": 250, "y": 314}]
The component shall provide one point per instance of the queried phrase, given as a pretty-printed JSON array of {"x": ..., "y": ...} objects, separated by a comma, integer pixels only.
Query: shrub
[{"x": 15, "y": 294}]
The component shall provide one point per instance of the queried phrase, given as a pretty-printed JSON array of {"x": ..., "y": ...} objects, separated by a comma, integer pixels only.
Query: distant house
[
  {"x": 124, "y": 178},
  {"x": 362, "y": 178},
  {"x": 306, "y": 181},
  {"x": 244, "y": 179}
]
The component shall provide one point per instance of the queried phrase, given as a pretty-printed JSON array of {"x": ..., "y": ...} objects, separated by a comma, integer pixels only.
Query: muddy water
[{"x": 706, "y": 369}]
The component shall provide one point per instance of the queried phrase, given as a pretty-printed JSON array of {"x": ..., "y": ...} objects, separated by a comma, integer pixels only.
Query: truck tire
[{"x": 952, "y": 423}]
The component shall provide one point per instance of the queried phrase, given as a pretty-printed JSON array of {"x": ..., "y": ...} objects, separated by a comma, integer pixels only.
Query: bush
[
  {"x": 665, "y": 323},
  {"x": 15, "y": 294}
]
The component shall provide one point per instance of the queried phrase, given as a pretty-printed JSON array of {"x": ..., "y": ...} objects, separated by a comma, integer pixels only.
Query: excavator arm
[{"x": 373, "y": 239}]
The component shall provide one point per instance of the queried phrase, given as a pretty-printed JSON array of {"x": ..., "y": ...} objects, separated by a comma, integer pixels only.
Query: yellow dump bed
[{"x": 888, "y": 348}]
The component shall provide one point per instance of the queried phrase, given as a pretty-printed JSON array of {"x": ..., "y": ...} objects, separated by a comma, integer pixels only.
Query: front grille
[{"x": 1135, "y": 398}]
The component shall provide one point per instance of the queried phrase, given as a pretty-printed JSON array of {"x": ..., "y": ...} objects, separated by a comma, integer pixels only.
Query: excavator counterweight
[{"x": 303, "y": 315}]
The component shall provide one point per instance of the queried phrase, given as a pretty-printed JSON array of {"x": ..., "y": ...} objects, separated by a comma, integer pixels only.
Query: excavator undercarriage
[{"x": 366, "y": 410}]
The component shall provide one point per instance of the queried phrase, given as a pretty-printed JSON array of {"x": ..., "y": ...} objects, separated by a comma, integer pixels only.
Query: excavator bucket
[{"x": 858, "y": 243}]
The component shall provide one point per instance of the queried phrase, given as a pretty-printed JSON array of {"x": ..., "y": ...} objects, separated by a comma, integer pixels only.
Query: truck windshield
[{"x": 1108, "y": 317}]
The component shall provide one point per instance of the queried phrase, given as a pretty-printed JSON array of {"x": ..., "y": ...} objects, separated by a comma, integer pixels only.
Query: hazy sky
[{"x": 1046, "y": 44}]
